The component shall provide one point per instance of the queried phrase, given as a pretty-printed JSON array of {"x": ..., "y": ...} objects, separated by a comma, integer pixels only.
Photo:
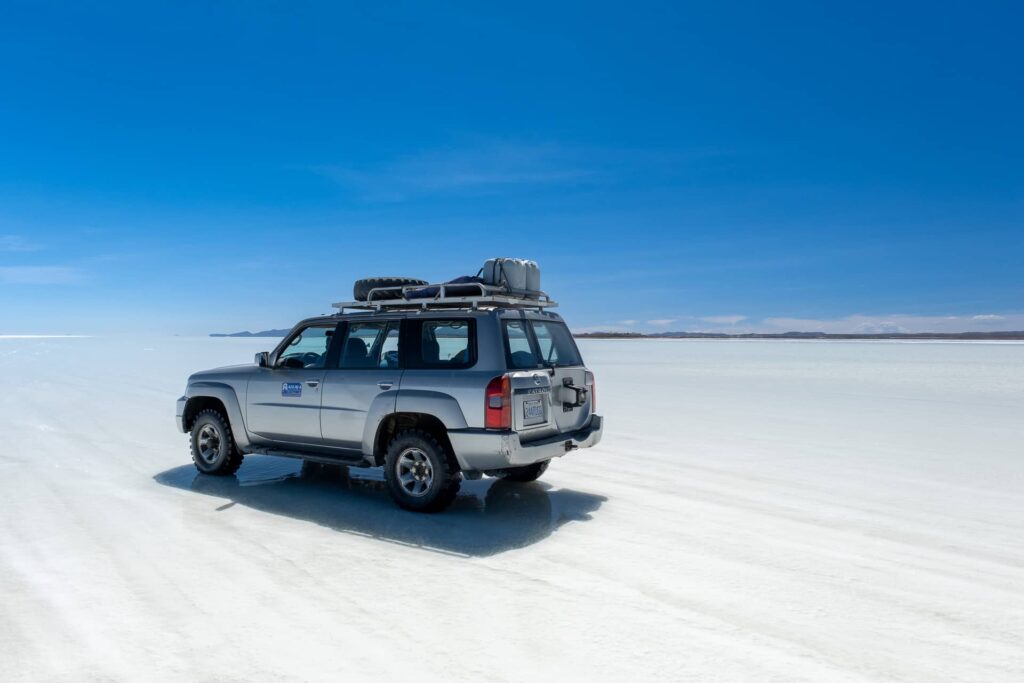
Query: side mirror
[{"x": 262, "y": 359}]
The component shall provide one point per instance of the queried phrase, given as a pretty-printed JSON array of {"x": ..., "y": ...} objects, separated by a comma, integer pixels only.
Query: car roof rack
[{"x": 464, "y": 295}]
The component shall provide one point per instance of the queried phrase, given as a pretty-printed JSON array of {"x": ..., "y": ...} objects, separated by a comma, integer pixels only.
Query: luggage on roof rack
[
  {"x": 452, "y": 288},
  {"x": 462, "y": 294},
  {"x": 516, "y": 274}
]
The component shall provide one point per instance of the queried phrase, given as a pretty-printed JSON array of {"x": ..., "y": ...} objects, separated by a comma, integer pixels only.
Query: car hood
[{"x": 222, "y": 373}]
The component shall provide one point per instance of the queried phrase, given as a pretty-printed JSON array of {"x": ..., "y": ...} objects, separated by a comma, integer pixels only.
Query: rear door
[
  {"x": 551, "y": 389},
  {"x": 571, "y": 384},
  {"x": 364, "y": 382}
]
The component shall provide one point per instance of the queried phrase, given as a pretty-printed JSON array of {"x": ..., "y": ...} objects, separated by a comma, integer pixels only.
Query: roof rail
[{"x": 467, "y": 295}]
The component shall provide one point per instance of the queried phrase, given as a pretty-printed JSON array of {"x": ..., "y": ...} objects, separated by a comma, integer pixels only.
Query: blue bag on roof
[{"x": 430, "y": 292}]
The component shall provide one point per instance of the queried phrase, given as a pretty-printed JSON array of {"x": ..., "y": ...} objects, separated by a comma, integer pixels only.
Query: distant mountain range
[
  {"x": 981, "y": 336},
  {"x": 264, "y": 333}
]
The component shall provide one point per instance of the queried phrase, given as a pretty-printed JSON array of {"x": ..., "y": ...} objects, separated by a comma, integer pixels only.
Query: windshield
[
  {"x": 307, "y": 349},
  {"x": 550, "y": 344}
]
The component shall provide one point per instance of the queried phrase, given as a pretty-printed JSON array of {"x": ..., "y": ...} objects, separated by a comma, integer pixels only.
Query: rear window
[
  {"x": 517, "y": 345},
  {"x": 539, "y": 343}
]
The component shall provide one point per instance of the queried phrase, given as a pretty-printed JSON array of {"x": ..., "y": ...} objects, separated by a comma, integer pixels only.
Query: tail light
[
  {"x": 498, "y": 404},
  {"x": 593, "y": 395}
]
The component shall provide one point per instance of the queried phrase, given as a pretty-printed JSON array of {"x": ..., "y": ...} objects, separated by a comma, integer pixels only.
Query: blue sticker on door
[{"x": 291, "y": 389}]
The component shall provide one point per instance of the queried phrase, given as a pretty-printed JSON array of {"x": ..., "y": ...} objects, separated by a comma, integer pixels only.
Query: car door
[
  {"x": 571, "y": 384},
  {"x": 283, "y": 401},
  {"x": 552, "y": 392},
  {"x": 364, "y": 384}
]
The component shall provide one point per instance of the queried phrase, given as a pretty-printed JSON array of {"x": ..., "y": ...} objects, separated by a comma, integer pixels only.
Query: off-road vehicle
[{"x": 434, "y": 383}]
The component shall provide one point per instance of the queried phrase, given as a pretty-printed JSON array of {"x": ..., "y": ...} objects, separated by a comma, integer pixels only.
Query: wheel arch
[
  {"x": 198, "y": 404},
  {"x": 396, "y": 422},
  {"x": 216, "y": 396}
]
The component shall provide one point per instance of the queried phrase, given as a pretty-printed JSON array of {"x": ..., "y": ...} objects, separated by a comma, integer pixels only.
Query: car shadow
[{"x": 489, "y": 516}]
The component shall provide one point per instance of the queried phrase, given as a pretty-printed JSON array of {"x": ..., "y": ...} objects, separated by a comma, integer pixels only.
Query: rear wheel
[
  {"x": 526, "y": 473},
  {"x": 213, "y": 446},
  {"x": 420, "y": 474}
]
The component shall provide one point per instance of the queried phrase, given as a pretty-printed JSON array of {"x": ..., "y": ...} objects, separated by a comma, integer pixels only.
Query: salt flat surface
[{"x": 758, "y": 510}]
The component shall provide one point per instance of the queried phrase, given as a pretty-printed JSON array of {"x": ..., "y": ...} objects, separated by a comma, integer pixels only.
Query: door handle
[
  {"x": 385, "y": 384},
  {"x": 313, "y": 382}
]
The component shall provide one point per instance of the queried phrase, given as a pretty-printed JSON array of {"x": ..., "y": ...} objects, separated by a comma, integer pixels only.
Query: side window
[
  {"x": 307, "y": 349},
  {"x": 555, "y": 344},
  {"x": 520, "y": 353},
  {"x": 448, "y": 344},
  {"x": 388, "y": 356},
  {"x": 445, "y": 343},
  {"x": 370, "y": 345}
]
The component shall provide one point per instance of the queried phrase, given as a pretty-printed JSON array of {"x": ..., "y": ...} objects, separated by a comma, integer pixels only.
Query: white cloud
[
  {"x": 881, "y": 327},
  {"x": 724, "y": 319},
  {"x": 852, "y": 324},
  {"x": 884, "y": 324},
  {"x": 39, "y": 275}
]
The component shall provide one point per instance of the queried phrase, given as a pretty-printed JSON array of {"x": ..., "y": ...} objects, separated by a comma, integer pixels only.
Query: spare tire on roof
[{"x": 361, "y": 288}]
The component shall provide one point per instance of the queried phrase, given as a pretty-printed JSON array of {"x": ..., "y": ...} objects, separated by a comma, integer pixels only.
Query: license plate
[{"x": 533, "y": 410}]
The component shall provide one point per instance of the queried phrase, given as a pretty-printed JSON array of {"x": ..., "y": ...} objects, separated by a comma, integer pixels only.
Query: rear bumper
[{"x": 481, "y": 450}]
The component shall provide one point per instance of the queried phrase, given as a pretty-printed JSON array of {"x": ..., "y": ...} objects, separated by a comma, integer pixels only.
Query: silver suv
[{"x": 433, "y": 391}]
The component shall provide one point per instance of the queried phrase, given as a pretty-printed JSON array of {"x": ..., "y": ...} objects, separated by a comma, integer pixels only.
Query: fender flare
[
  {"x": 437, "y": 404},
  {"x": 382, "y": 407},
  {"x": 224, "y": 393}
]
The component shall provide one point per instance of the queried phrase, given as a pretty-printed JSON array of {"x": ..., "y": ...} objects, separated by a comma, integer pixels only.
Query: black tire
[
  {"x": 362, "y": 288},
  {"x": 525, "y": 473},
  {"x": 212, "y": 444},
  {"x": 438, "y": 479}
]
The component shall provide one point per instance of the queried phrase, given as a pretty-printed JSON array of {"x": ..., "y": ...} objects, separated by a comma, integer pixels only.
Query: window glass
[
  {"x": 520, "y": 352},
  {"x": 366, "y": 343},
  {"x": 445, "y": 343},
  {"x": 389, "y": 348},
  {"x": 555, "y": 344},
  {"x": 307, "y": 349}
]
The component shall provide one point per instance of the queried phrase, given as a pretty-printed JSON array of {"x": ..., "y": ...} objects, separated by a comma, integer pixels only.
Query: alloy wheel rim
[
  {"x": 415, "y": 473},
  {"x": 209, "y": 443}
]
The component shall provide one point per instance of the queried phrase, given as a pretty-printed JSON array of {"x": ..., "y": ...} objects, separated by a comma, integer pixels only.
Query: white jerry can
[{"x": 518, "y": 275}]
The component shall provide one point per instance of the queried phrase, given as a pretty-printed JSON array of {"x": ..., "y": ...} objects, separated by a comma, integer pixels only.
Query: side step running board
[{"x": 353, "y": 460}]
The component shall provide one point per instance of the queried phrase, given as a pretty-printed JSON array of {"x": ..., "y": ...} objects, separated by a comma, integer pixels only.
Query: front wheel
[
  {"x": 419, "y": 473},
  {"x": 213, "y": 446},
  {"x": 526, "y": 472}
]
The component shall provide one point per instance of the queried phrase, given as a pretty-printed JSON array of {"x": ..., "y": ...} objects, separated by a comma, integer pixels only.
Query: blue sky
[{"x": 196, "y": 167}]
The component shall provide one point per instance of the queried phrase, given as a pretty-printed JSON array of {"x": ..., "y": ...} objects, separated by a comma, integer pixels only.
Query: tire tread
[
  {"x": 231, "y": 463},
  {"x": 361, "y": 288},
  {"x": 451, "y": 477}
]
